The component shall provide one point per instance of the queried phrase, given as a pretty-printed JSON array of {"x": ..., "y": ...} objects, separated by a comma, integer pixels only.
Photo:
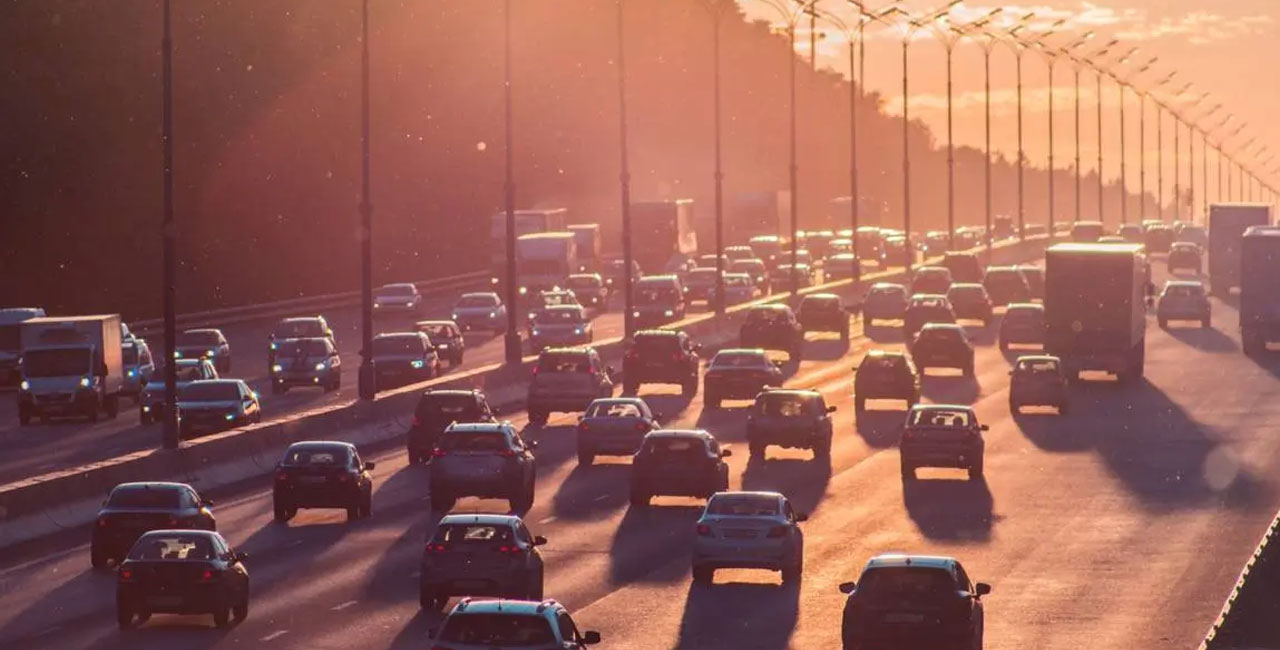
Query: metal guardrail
[{"x": 291, "y": 306}]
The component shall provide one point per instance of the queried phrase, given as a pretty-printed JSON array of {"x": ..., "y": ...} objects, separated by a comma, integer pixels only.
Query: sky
[{"x": 1223, "y": 48}]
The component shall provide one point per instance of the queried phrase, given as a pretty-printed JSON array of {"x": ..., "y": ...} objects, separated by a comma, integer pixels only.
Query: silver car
[
  {"x": 560, "y": 326},
  {"x": 613, "y": 426},
  {"x": 138, "y": 367},
  {"x": 151, "y": 401},
  {"x": 401, "y": 297},
  {"x": 207, "y": 343},
  {"x": 488, "y": 624},
  {"x": 1183, "y": 300},
  {"x": 753, "y": 530},
  {"x": 480, "y": 311}
]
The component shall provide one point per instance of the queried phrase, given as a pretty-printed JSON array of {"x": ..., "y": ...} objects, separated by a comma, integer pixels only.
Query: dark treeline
[{"x": 267, "y": 134}]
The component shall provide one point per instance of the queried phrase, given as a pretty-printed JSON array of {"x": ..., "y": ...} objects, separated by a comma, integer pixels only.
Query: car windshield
[
  {"x": 410, "y": 344},
  {"x": 1024, "y": 315},
  {"x": 55, "y": 362},
  {"x": 564, "y": 362},
  {"x": 951, "y": 418},
  {"x": 473, "y": 534},
  {"x": 656, "y": 295},
  {"x": 948, "y": 334},
  {"x": 497, "y": 630},
  {"x": 1038, "y": 365},
  {"x": 299, "y": 329},
  {"x": 478, "y": 301},
  {"x": 396, "y": 290},
  {"x": 129, "y": 355},
  {"x": 882, "y": 362},
  {"x": 553, "y": 299},
  {"x": 198, "y": 338},
  {"x": 737, "y": 280},
  {"x": 209, "y": 391},
  {"x": 437, "y": 331},
  {"x": 906, "y": 584},
  {"x": 474, "y": 441},
  {"x": 316, "y": 457},
  {"x": 613, "y": 410},
  {"x": 786, "y": 405},
  {"x": 185, "y": 372},
  {"x": 302, "y": 348},
  {"x": 766, "y": 316},
  {"x": 560, "y": 316},
  {"x": 739, "y": 360},
  {"x": 743, "y": 505},
  {"x": 138, "y": 496},
  {"x": 1183, "y": 291},
  {"x": 172, "y": 547}
]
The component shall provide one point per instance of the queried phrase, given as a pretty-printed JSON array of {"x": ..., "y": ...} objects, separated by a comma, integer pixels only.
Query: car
[
  {"x": 614, "y": 270},
  {"x": 151, "y": 400},
  {"x": 895, "y": 251},
  {"x": 483, "y": 459},
  {"x": 213, "y": 405},
  {"x": 942, "y": 435},
  {"x": 205, "y": 343},
  {"x": 657, "y": 300},
  {"x": 139, "y": 366},
  {"x": 589, "y": 289},
  {"x": 481, "y": 624},
  {"x": 791, "y": 418},
  {"x": 11, "y": 319},
  {"x": 971, "y": 302},
  {"x": 804, "y": 275},
  {"x": 1087, "y": 231},
  {"x": 305, "y": 362},
  {"x": 1158, "y": 238},
  {"x": 772, "y": 326},
  {"x": 1184, "y": 255},
  {"x": 309, "y": 327},
  {"x": 1034, "y": 277},
  {"x": 740, "y": 288},
  {"x": 182, "y": 572},
  {"x": 480, "y": 311},
  {"x": 322, "y": 474},
  {"x": 1037, "y": 380},
  {"x": 708, "y": 261},
  {"x": 1112, "y": 239},
  {"x": 132, "y": 509},
  {"x": 913, "y": 601},
  {"x": 924, "y": 309},
  {"x": 560, "y": 326},
  {"x": 964, "y": 267},
  {"x": 748, "y": 530},
  {"x": 613, "y": 426},
  {"x": 935, "y": 242},
  {"x": 1183, "y": 300},
  {"x": 401, "y": 358},
  {"x": 701, "y": 285},
  {"x": 566, "y": 380},
  {"x": 545, "y": 300},
  {"x": 1005, "y": 285},
  {"x": 678, "y": 462},
  {"x": 1132, "y": 233},
  {"x": 400, "y": 297},
  {"x": 1035, "y": 230},
  {"x": 817, "y": 241},
  {"x": 870, "y": 244},
  {"x": 1023, "y": 324},
  {"x": 931, "y": 279},
  {"x": 436, "y": 410},
  {"x": 768, "y": 248},
  {"x": 888, "y": 375},
  {"x": 661, "y": 357},
  {"x": 480, "y": 555},
  {"x": 884, "y": 301},
  {"x": 942, "y": 345},
  {"x": 1194, "y": 235},
  {"x": 738, "y": 373},
  {"x": 841, "y": 266},
  {"x": 447, "y": 337},
  {"x": 822, "y": 312},
  {"x": 739, "y": 252},
  {"x": 754, "y": 267}
]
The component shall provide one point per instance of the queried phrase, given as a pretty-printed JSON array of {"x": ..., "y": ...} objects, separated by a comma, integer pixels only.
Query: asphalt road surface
[{"x": 1119, "y": 526}]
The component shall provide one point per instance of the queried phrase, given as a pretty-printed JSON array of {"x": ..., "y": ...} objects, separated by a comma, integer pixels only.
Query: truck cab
[
  {"x": 11, "y": 341},
  {"x": 71, "y": 367}
]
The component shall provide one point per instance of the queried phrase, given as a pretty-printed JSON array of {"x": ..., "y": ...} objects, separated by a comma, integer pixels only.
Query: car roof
[
  {"x": 434, "y": 323},
  {"x": 701, "y": 434},
  {"x": 503, "y": 606},
  {"x": 453, "y": 392},
  {"x": 398, "y": 285},
  {"x": 822, "y": 297},
  {"x": 566, "y": 351},
  {"x": 184, "y": 532},
  {"x": 1184, "y": 283},
  {"x": 398, "y": 335},
  {"x": 968, "y": 286},
  {"x": 1037, "y": 357},
  {"x": 737, "y": 276},
  {"x": 799, "y": 392},
  {"x": 759, "y": 351},
  {"x": 618, "y": 400},
  {"x": 478, "y": 427},
  {"x": 584, "y": 276},
  {"x": 886, "y": 353},
  {"x": 942, "y": 326},
  {"x": 933, "y": 268},
  {"x": 960, "y": 253},
  {"x": 572, "y": 308},
  {"x": 150, "y": 485},
  {"x": 480, "y": 294},
  {"x": 750, "y": 493},
  {"x": 302, "y": 319},
  {"x": 321, "y": 444},
  {"x": 771, "y": 306},
  {"x": 888, "y": 285},
  {"x": 203, "y": 330},
  {"x": 1024, "y": 306},
  {"x": 938, "y": 298},
  {"x": 488, "y": 519},
  {"x": 901, "y": 560},
  {"x": 220, "y": 380},
  {"x": 942, "y": 407},
  {"x": 656, "y": 333}
]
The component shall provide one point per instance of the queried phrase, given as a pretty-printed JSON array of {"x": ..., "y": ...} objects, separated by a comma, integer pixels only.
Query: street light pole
[
  {"x": 1019, "y": 47},
  {"x": 624, "y": 177},
  {"x": 169, "y": 437},
  {"x": 715, "y": 6},
  {"x": 366, "y": 378},
  {"x": 511, "y": 340}
]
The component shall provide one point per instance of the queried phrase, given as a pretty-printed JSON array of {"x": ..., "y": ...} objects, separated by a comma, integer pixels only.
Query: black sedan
[
  {"x": 182, "y": 572},
  {"x": 322, "y": 474},
  {"x": 132, "y": 509},
  {"x": 738, "y": 374}
]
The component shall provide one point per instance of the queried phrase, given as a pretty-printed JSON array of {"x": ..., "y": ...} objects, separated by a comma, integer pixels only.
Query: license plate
[
  {"x": 740, "y": 534},
  {"x": 904, "y": 618},
  {"x": 164, "y": 601},
  {"x": 311, "y": 480}
]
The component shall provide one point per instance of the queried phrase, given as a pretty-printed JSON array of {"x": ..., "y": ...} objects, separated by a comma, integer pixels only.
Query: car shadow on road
[
  {"x": 1052, "y": 432},
  {"x": 557, "y": 444},
  {"x": 727, "y": 423},
  {"x": 979, "y": 334},
  {"x": 416, "y": 633},
  {"x": 949, "y": 389},
  {"x": 590, "y": 491},
  {"x": 649, "y": 537},
  {"x": 950, "y": 509},
  {"x": 884, "y": 333},
  {"x": 1204, "y": 339},
  {"x": 880, "y": 428},
  {"x": 756, "y": 615},
  {"x": 1011, "y": 355},
  {"x": 667, "y": 407},
  {"x": 805, "y": 480},
  {"x": 825, "y": 349}
]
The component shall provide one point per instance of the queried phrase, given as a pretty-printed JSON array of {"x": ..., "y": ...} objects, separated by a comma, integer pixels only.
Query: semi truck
[
  {"x": 662, "y": 231},
  {"x": 544, "y": 260},
  {"x": 1259, "y": 292},
  {"x": 11, "y": 341},
  {"x": 526, "y": 222},
  {"x": 71, "y": 366},
  {"x": 1095, "y": 307},
  {"x": 589, "y": 245},
  {"x": 1227, "y": 223}
]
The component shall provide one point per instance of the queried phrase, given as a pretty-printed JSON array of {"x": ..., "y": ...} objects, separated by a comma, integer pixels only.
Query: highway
[
  {"x": 1116, "y": 527},
  {"x": 64, "y": 443}
]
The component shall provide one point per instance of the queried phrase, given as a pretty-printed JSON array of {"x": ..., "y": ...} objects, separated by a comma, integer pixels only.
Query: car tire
[
  {"x": 586, "y": 457},
  {"x": 792, "y": 574},
  {"x": 522, "y": 502},
  {"x": 756, "y": 450},
  {"x": 967, "y": 370},
  {"x": 240, "y": 610},
  {"x": 640, "y": 499},
  {"x": 112, "y": 406},
  {"x": 221, "y": 615},
  {"x": 860, "y": 404},
  {"x": 283, "y": 512},
  {"x": 124, "y": 614},
  {"x": 976, "y": 470},
  {"x": 24, "y": 416},
  {"x": 1015, "y": 408},
  {"x": 1062, "y": 408},
  {"x": 429, "y": 601},
  {"x": 1004, "y": 345},
  {"x": 908, "y": 471},
  {"x": 353, "y": 513},
  {"x": 823, "y": 449},
  {"x": 97, "y": 558},
  {"x": 367, "y": 506},
  {"x": 1205, "y": 323},
  {"x": 844, "y": 334},
  {"x": 441, "y": 501},
  {"x": 414, "y": 457},
  {"x": 710, "y": 400},
  {"x": 538, "y": 417},
  {"x": 535, "y": 587},
  {"x": 141, "y": 616},
  {"x": 184, "y": 431},
  {"x": 629, "y": 388},
  {"x": 703, "y": 575}
]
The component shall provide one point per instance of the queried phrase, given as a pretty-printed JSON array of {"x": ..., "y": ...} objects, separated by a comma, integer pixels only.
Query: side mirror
[
  {"x": 725, "y": 453},
  {"x": 239, "y": 556},
  {"x": 802, "y": 516},
  {"x": 831, "y": 409},
  {"x": 206, "y": 503},
  {"x": 984, "y": 427},
  {"x": 982, "y": 589},
  {"x": 847, "y": 587},
  {"x": 370, "y": 465},
  {"x": 539, "y": 540},
  {"x": 533, "y": 444},
  {"x": 590, "y": 637}
]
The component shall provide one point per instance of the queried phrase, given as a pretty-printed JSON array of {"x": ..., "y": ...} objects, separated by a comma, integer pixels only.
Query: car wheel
[
  {"x": 791, "y": 574},
  {"x": 908, "y": 471},
  {"x": 24, "y": 416},
  {"x": 414, "y": 457},
  {"x": 1014, "y": 408},
  {"x": 640, "y": 499},
  {"x": 142, "y": 616},
  {"x": 353, "y": 513},
  {"x": 967, "y": 371},
  {"x": 535, "y": 587},
  {"x": 1164, "y": 322},
  {"x": 112, "y": 406},
  {"x": 538, "y": 417},
  {"x": 585, "y": 457},
  {"x": 97, "y": 558},
  {"x": 757, "y": 450},
  {"x": 368, "y": 504},
  {"x": 860, "y": 404},
  {"x": 221, "y": 615},
  {"x": 1204, "y": 323},
  {"x": 241, "y": 609},
  {"x": 283, "y": 512},
  {"x": 1062, "y": 408},
  {"x": 124, "y": 614},
  {"x": 1004, "y": 345},
  {"x": 703, "y": 575},
  {"x": 442, "y": 502},
  {"x": 975, "y": 470},
  {"x": 429, "y": 601},
  {"x": 630, "y": 388},
  {"x": 710, "y": 401},
  {"x": 823, "y": 448}
]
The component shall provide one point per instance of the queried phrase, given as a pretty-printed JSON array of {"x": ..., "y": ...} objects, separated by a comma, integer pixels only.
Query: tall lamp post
[
  {"x": 1160, "y": 108},
  {"x": 1177, "y": 155},
  {"x": 511, "y": 340},
  {"x": 1192, "y": 127},
  {"x": 624, "y": 178},
  {"x": 1050, "y": 55},
  {"x": 366, "y": 379},
  {"x": 1121, "y": 84},
  {"x": 169, "y": 436},
  {"x": 716, "y": 7},
  {"x": 1143, "y": 96},
  {"x": 1099, "y": 68},
  {"x": 1077, "y": 64},
  {"x": 1207, "y": 133}
]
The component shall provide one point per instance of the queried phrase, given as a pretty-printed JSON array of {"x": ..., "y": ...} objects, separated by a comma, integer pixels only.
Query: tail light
[
  {"x": 282, "y": 477},
  {"x": 675, "y": 357},
  {"x": 535, "y": 371},
  {"x": 632, "y": 354},
  {"x": 438, "y": 452},
  {"x": 778, "y": 531},
  {"x": 437, "y": 548},
  {"x": 126, "y": 575},
  {"x": 206, "y": 576},
  {"x": 102, "y": 522},
  {"x": 642, "y": 426},
  {"x": 592, "y": 372},
  {"x": 510, "y": 549},
  {"x": 582, "y": 426},
  {"x": 416, "y": 421},
  {"x": 174, "y": 522},
  {"x": 704, "y": 530},
  {"x": 343, "y": 478}
]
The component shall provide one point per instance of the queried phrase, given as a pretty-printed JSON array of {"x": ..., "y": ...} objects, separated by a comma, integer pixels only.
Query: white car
[
  {"x": 485, "y": 624},
  {"x": 401, "y": 297},
  {"x": 740, "y": 288},
  {"x": 753, "y": 530},
  {"x": 480, "y": 311}
]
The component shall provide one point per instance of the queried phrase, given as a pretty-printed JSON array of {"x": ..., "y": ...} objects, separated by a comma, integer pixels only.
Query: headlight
[
  {"x": 320, "y": 366},
  {"x": 453, "y": 317},
  {"x": 417, "y": 363},
  {"x": 277, "y": 368},
  {"x": 493, "y": 280},
  {"x": 493, "y": 314},
  {"x": 635, "y": 314},
  {"x": 536, "y": 332},
  {"x": 146, "y": 408},
  {"x": 177, "y": 354},
  {"x": 274, "y": 346},
  {"x": 133, "y": 372},
  {"x": 212, "y": 352},
  {"x": 523, "y": 290},
  {"x": 577, "y": 330},
  {"x": 25, "y": 385},
  {"x": 377, "y": 305},
  {"x": 230, "y": 417},
  {"x": 85, "y": 382},
  {"x": 669, "y": 313}
]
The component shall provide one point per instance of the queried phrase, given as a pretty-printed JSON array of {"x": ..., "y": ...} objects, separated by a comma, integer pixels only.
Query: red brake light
[
  {"x": 632, "y": 354},
  {"x": 582, "y": 426},
  {"x": 675, "y": 357},
  {"x": 778, "y": 531},
  {"x": 343, "y": 478},
  {"x": 437, "y": 548},
  {"x": 438, "y": 452},
  {"x": 509, "y": 549},
  {"x": 507, "y": 453},
  {"x": 174, "y": 521},
  {"x": 282, "y": 476},
  {"x": 206, "y": 576},
  {"x": 126, "y": 574},
  {"x": 102, "y": 522},
  {"x": 704, "y": 530},
  {"x": 642, "y": 426},
  {"x": 416, "y": 422},
  {"x": 535, "y": 371}
]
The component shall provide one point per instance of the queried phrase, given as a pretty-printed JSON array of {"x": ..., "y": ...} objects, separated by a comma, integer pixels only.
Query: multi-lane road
[
  {"x": 1121, "y": 525},
  {"x": 37, "y": 449}
]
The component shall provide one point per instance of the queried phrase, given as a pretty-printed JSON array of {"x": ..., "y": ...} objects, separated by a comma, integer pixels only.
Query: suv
[
  {"x": 701, "y": 284},
  {"x": 942, "y": 345},
  {"x": 205, "y": 343},
  {"x": 1005, "y": 285},
  {"x": 566, "y": 380},
  {"x": 772, "y": 327},
  {"x": 884, "y": 301},
  {"x": 790, "y": 418},
  {"x": 482, "y": 624},
  {"x": 483, "y": 459},
  {"x": 447, "y": 337},
  {"x": 822, "y": 312},
  {"x": 560, "y": 326},
  {"x": 964, "y": 267},
  {"x": 931, "y": 279},
  {"x": 305, "y": 362},
  {"x": 738, "y": 373},
  {"x": 1184, "y": 255},
  {"x": 480, "y": 555},
  {"x": 590, "y": 289},
  {"x": 1022, "y": 324},
  {"x": 912, "y": 601},
  {"x": 1183, "y": 300},
  {"x": 924, "y": 309},
  {"x": 306, "y": 327},
  {"x": 687, "y": 463},
  {"x": 942, "y": 435},
  {"x": 658, "y": 300},
  {"x": 1159, "y": 238},
  {"x": 322, "y": 474},
  {"x": 136, "y": 508},
  {"x": 661, "y": 357},
  {"x": 436, "y": 410},
  {"x": 403, "y": 358},
  {"x": 885, "y": 374},
  {"x": 1038, "y": 380},
  {"x": 970, "y": 301}
]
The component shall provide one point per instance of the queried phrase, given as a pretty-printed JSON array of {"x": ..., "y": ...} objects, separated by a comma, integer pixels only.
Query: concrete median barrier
[
  {"x": 48, "y": 504},
  {"x": 1249, "y": 618}
]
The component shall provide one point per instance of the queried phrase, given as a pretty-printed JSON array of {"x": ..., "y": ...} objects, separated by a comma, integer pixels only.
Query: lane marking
[
  {"x": 547, "y": 520},
  {"x": 342, "y": 606},
  {"x": 274, "y": 635}
]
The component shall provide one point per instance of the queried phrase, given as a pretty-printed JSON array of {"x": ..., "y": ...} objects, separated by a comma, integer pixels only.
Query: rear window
[
  {"x": 882, "y": 362},
  {"x": 1184, "y": 291},
  {"x": 478, "y": 301},
  {"x": 906, "y": 584},
  {"x": 172, "y": 547},
  {"x": 144, "y": 497},
  {"x": 939, "y": 418},
  {"x": 437, "y": 331},
  {"x": 474, "y": 441},
  {"x": 675, "y": 447},
  {"x": 397, "y": 345},
  {"x": 738, "y": 360},
  {"x": 941, "y": 333},
  {"x": 613, "y": 410},
  {"x": 299, "y": 329},
  {"x": 743, "y": 505},
  {"x": 967, "y": 293},
  {"x": 405, "y": 290},
  {"x": 766, "y": 316},
  {"x": 472, "y": 533},
  {"x": 451, "y": 407},
  {"x": 564, "y": 362},
  {"x": 497, "y": 630},
  {"x": 786, "y": 405},
  {"x": 203, "y": 391},
  {"x": 657, "y": 344},
  {"x": 129, "y": 354},
  {"x": 198, "y": 338},
  {"x": 317, "y": 457},
  {"x": 314, "y": 347},
  {"x": 560, "y": 316},
  {"x": 1038, "y": 366}
]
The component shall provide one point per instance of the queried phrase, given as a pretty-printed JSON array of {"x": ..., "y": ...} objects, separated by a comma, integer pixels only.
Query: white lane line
[
  {"x": 547, "y": 520},
  {"x": 274, "y": 635},
  {"x": 602, "y": 497},
  {"x": 342, "y": 606}
]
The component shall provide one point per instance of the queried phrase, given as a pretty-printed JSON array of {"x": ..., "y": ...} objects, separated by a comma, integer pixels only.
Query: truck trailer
[
  {"x": 1259, "y": 289},
  {"x": 589, "y": 245},
  {"x": 527, "y": 222},
  {"x": 1095, "y": 307},
  {"x": 71, "y": 366},
  {"x": 662, "y": 231},
  {"x": 544, "y": 260},
  {"x": 1227, "y": 223}
]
